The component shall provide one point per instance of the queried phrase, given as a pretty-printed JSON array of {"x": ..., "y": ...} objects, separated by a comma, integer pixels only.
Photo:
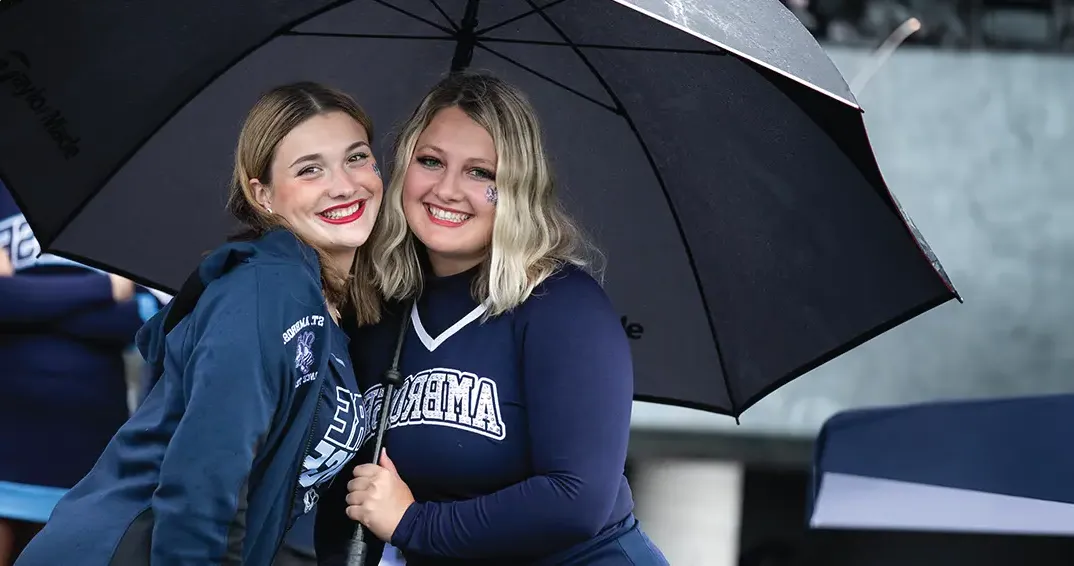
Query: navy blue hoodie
[
  {"x": 251, "y": 419},
  {"x": 62, "y": 339}
]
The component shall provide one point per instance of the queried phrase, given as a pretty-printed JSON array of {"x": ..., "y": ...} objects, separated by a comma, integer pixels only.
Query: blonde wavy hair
[
  {"x": 272, "y": 117},
  {"x": 532, "y": 235}
]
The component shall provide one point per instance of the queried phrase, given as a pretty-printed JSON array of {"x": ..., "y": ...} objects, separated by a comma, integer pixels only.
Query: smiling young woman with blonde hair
[{"x": 507, "y": 440}]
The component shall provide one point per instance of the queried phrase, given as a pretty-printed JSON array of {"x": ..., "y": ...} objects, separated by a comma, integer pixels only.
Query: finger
[
  {"x": 386, "y": 462},
  {"x": 357, "y": 498},
  {"x": 367, "y": 471},
  {"x": 356, "y": 513},
  {"x": 360, "y": 484}
]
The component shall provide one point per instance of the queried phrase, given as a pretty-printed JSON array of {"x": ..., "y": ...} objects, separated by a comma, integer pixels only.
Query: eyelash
[
  {"x": 352, "y": 159},
  {"x": 432, "y": 163}
]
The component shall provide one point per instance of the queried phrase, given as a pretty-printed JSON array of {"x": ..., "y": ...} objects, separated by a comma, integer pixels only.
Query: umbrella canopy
[
  {"x": 995, "y": 466},
  {"x": 712, "y": 150}
]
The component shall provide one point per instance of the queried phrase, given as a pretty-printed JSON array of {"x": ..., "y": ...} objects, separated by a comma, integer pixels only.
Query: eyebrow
[
  {"x": 432, "y": 147},
  {"x": 318, "y": 156}
]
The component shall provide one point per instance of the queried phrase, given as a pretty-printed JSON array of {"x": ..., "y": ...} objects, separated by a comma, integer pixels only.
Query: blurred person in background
[{"x": 64, "y": 329}]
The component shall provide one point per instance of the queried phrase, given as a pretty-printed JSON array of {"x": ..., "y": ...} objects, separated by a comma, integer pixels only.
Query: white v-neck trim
[{"x": 434, "y": 343}]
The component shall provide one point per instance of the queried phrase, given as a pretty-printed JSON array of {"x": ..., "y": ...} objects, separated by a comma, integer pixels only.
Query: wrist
[{"x": 400, "y": 537}]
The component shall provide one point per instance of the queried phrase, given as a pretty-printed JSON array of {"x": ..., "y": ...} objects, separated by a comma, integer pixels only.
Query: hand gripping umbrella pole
[{"x": 356, "y": 553}]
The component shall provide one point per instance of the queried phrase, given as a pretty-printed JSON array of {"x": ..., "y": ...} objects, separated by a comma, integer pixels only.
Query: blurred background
[{"x": 972, "y": 121}]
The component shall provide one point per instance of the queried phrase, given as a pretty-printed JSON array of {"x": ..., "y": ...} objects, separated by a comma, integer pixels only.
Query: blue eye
[
  {"x": 430, "y": 162},
  {"x": 483, "y": 174}
]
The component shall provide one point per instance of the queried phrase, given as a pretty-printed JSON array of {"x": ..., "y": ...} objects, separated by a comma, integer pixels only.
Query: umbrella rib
[
  {"x": 518, "y": 17},
  {"x": 538, "y": 74},
  {"x": 715, "y": 51},
  {"x": 415, "y": 17},
  {"x": 621, "y": 110},
  {"x": 367, "y": 36},
  {"x": 450, "y": 22}
]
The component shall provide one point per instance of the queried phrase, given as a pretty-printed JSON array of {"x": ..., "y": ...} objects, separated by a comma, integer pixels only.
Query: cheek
[
  {"x": 416, "y": 184},
  {"x": 367, "y": 177},
  {"x": 481, "y": 204},
  {"x": 289, "y": 198}
]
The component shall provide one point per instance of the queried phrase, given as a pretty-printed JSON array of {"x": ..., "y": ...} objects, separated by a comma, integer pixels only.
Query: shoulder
[
  {"x": 268, "y": 298},
  {"x": 266, "y": 283},
  {"x": 569, "y": 287},
  {"x": 568, "y": 297}
]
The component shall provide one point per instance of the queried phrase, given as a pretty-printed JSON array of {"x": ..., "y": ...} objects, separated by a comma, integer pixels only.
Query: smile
[
  {"x": 344, "y": 213},
  {"x": 445, "y": 217}
]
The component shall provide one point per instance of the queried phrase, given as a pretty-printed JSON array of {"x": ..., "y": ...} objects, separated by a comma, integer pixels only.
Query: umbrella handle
[{"x": 358, "y": 549}]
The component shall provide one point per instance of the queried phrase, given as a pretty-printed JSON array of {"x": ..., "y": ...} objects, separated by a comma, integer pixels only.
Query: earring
[{"x": 269, "y": 209}]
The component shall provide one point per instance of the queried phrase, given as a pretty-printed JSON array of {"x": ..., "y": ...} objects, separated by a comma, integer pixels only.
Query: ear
[{"x": 262, "y": 193}]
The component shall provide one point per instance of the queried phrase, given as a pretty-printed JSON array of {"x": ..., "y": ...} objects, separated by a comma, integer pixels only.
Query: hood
[{"x": 276, "y": 246}]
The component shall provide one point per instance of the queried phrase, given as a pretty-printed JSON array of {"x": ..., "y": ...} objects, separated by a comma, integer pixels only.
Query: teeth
[
  {"x": 342, "y": 212},
  {"x": 441, "y": 214}
]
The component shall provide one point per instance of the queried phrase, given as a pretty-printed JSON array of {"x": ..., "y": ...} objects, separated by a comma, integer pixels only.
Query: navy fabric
[
  {"x": 631, "y": 547},
  {"x": 1018, "y": 447},
  {"x": 62, "y": 339},
  {"x": 511, "y": 432},
  {"x": 222, "y": 453}
]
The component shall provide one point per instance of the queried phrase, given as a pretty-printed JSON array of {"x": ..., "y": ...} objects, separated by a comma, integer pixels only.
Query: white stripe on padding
[{"x": 848, "y": 501}]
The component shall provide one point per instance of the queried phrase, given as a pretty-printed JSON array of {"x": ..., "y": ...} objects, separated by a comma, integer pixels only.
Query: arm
[
  {"x": 578, "y": 383},
  {"x": 114, "y": 324},
  {"x": 232, "y": 385},
  {"x": 36, "y": 299}
]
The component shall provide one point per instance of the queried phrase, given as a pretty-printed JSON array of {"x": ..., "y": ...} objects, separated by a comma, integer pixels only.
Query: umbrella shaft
[
  {"x": 465, "y": 38},
  {"x": 382, "y": 424}
]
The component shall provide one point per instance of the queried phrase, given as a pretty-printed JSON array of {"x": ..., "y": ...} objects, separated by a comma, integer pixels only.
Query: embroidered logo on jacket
[
  {"x": 301, "y": 332},
  {"x": 304, "y": 352}
]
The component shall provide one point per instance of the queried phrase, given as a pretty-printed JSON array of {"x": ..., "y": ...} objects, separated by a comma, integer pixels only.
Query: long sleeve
[
  {"x": 578, "y": 385},
  {"x": 232, "y": 392},
  {"x": 37, "y": 299},
  {"x": 114, "y": 324}
]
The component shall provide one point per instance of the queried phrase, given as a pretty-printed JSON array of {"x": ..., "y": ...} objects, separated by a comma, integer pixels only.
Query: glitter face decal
[
  {"x": 376, "y": 169},
  {"x": 492, "y": 195}
]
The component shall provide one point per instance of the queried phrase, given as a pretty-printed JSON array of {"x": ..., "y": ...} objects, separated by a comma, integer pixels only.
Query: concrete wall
[{"x": 979, "y": 148}]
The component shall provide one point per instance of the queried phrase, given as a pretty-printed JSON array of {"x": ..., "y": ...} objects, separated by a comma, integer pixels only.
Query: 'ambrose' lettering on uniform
[{"x": 443, "y": 397}]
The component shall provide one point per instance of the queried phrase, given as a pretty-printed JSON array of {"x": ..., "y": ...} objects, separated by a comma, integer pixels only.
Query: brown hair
[{"x": 272, "y": 117}]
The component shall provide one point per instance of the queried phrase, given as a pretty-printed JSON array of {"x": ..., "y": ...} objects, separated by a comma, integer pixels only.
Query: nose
[
  {"x": 343, "y": 185},
  {"x": 447, "y": 189}
]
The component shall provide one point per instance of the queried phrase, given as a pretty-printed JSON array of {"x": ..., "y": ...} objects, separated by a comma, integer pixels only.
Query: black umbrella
[{"x": 712, "y": 150}]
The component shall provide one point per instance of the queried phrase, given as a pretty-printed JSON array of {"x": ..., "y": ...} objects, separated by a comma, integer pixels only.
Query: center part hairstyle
[
  {"x": 275, "y": 114},
  {"x": 532, "y": 234}
]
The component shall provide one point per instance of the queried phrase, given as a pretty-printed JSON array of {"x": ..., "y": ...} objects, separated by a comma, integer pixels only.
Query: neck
[
  {"x": 341, "y": 262},
  {"x": 444, "y": 266}
]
